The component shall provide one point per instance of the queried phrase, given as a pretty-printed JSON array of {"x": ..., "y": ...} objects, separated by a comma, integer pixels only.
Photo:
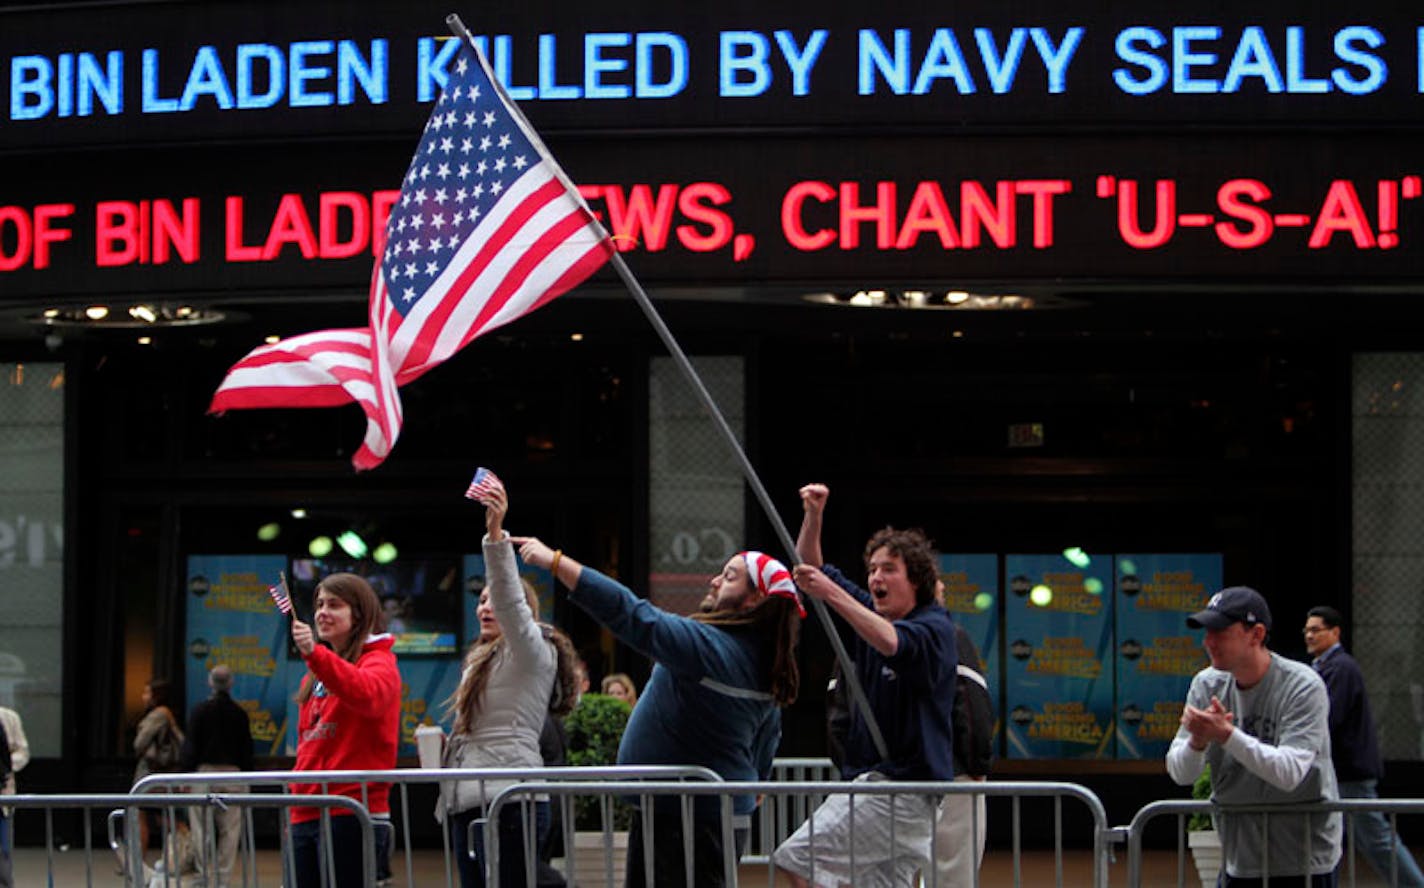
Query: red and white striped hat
[{"x": 772, "y": 578}]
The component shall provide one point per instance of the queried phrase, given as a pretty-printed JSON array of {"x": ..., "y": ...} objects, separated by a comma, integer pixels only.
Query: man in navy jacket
[
  {"x": 1354, "y": 748},
  {"x": 907, "y": 662}
]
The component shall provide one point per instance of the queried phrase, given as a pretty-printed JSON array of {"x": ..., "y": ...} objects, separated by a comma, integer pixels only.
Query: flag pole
[
  {"x": 857, "y": 694},
  {"x": 754, "y": 482}
]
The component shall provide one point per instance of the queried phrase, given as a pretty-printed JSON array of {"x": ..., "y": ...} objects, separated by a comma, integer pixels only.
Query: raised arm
[
  {"x": 507, "y": 599},
  {"x": 877, "y": 631},
  {"x": 808, "y": 541},
  {"x": 678, "y": 643},
  {"x": 533, "y": 551}
]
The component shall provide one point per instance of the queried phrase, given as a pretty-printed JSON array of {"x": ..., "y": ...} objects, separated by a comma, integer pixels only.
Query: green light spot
[
  {"x": 320, "y": 547},
  {"x": 1128, "y": 566},
  {"x": 1093, "y": 586},
  {"x": 269, "y": 532},
  {"x": 983, "y": 601},
  {"x": 1077, "y": 557},
  {"x": 1041, "y": 595},
  {"x": 385, "y": 553}
]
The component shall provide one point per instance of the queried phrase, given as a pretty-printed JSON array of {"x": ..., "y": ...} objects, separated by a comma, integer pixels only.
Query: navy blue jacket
[
  {"x": 1354, "y": 748},
  {"x": 708, "y": 701},
  {"x": 911, "y": 695}
]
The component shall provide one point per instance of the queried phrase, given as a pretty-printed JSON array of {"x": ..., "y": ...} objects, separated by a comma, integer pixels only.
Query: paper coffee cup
[{"x": 428, "y": 740}]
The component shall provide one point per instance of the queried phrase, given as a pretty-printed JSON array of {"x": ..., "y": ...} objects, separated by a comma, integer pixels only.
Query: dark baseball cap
[{"x": 1236, "y": 604}]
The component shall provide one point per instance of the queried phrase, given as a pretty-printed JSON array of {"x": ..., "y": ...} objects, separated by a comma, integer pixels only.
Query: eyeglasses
[{"x": 1314, "y": 630}]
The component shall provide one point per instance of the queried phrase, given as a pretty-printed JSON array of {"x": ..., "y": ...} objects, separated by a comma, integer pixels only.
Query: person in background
[
  {"x": 1354, "y": 747},
  {"x": 158, "y": 743},
  {"x": 714, "y": 697},
  {"x": 554, "y": 750},
  {"x": 1262, "y": 723},
  {"x": 960, "y": 826},
  {"x": 7, "y": 876},
  {"x": 511, "y": 682},
  {"x": 620, "y": 686},
  {"x": 349, "y": 720},
  {"x": 219, "y": 740},
  {"x": 19, "y": 748}
]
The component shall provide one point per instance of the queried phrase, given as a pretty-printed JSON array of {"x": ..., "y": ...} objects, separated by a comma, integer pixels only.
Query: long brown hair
[
  {"x": 367, "y": 618},
  {"x": 466, "y": 702},
  {"x": 779, "y": 621}
]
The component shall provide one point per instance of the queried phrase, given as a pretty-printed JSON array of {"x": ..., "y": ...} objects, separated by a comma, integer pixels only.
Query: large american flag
[{"x": 487, "y": 228}]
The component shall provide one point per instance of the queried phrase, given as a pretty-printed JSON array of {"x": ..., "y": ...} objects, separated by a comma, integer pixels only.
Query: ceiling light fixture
[
  {"x": 140, "y": 315},
  {"x": 959, "y": 300}
]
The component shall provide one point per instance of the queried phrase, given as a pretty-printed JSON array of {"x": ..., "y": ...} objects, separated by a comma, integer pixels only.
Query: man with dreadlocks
[{"x": 714, "y": 698}]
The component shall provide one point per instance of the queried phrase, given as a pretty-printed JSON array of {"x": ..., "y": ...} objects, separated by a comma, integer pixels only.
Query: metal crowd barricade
[
  {"x": 778, "y": 816},
  {"x": 1182, "y": 809},
  {"x": 157, "y": 785},
  {"x": 521, "y": 793},
  {"x": 128, "y": 849}
]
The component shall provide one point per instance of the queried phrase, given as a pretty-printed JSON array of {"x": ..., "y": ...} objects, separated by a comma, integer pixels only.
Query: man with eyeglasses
[
  {"x": 1354, "y": 747},
  {"x": 1260, "y": 721}
]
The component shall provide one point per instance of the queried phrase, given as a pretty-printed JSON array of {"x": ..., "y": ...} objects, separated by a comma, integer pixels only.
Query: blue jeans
[
  {"x": 511, "y": 844},
  {"x": 6, "y": 876},
  {"x": 1373, "y": 837},
  {"x": 309, "y": 858}
]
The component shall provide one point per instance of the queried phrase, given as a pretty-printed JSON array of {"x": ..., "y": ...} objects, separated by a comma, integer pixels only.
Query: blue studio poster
[
  {"x": 971, "y": 595},
  {"x": 1157, "y": 653},
  {"x": 1058, "y": 632},
  {"x": 231, "y": 620}
]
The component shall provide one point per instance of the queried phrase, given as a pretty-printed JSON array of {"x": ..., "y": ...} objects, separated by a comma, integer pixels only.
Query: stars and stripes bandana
[{"x": 772, "y": 578}]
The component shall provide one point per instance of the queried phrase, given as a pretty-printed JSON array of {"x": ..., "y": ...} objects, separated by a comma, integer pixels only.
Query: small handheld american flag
[
  {"x": 483, "y": 484},
  {"x": 280, "y": 596}
]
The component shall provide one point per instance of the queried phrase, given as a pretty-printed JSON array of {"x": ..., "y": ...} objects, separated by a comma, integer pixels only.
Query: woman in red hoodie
[{"x": 350, "y": 720}]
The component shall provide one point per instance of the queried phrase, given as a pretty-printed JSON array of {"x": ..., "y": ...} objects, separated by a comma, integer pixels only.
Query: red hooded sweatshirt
[{"x": 351, "y": 721}]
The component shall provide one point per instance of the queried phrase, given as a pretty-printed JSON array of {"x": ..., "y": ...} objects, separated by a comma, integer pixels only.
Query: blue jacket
[
  {"x": 911, "y": 695},
  {"x": 708, "y": 701},
  {"x": 1354, "y": 748}
]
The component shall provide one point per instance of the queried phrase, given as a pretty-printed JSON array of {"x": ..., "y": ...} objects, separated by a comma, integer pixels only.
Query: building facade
[{"x": 1039, "y": 281}]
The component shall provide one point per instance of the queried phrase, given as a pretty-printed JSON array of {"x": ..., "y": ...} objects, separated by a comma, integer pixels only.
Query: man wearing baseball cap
[{"x": 1262, "y": 723}]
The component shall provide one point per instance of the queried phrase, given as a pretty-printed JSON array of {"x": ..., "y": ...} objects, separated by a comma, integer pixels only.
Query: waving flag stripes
[
  {"x": 483, "y": 484},
  {"x": 280, "y": 596},
  {"x": 486, "y": 229}
]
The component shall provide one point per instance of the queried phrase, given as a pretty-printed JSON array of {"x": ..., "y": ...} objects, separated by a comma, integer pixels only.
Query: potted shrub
[
  {"x": 1202, "y": 837},
  {"x": 595, "y": 728}
]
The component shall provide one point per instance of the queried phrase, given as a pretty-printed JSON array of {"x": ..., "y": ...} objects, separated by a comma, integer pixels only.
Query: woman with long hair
[
  {"x": 156, "y": 743},
  {"x": 350, "y": 720},
  {"x": 714, "y": 698},
  {"x": 515, "y": 674}
]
